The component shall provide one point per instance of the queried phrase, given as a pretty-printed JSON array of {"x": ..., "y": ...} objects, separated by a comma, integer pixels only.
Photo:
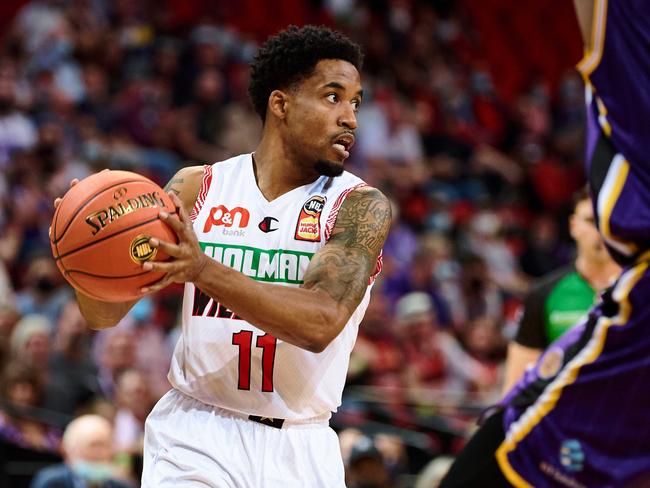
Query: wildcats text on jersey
[{"x": 270, "y": 265}]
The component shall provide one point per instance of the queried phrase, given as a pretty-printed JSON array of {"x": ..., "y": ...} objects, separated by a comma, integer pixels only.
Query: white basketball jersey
[{"x": 223, "y": 360}]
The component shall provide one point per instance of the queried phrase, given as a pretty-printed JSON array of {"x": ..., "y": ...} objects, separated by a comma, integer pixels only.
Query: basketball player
[
  {"x": 278, "y": 251},
  {"x": 580, "y": 416},
  {"x": 561, "y": 298}
]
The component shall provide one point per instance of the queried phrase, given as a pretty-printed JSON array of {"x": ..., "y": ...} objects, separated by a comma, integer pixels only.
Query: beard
[{"x": 328, "y": 168}]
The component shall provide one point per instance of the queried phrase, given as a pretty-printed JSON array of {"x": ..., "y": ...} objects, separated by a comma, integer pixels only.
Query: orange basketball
[{"x": 100, "y": 234}]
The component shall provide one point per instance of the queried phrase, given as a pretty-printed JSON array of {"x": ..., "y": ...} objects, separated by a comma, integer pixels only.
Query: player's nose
[{"x": 348, "y": 117}]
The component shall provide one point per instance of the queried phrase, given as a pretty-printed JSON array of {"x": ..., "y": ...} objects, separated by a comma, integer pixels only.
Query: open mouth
[{"x": 343, "y": 143}]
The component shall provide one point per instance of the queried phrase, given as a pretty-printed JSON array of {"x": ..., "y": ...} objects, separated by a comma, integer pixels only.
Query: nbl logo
[
  {"x": 308, "y": 226},
  {"x": 140, "y": 250}
]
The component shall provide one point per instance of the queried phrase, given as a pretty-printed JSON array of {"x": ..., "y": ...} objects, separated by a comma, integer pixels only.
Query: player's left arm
[
  {"x": 335, "y": 282},
  {"x": 342, "y": 268}
]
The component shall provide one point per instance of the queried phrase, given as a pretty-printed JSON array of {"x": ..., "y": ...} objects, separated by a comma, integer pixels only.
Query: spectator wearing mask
[
  {"x": 42, "y": 293},
  {"x": 88, "y": 454}
]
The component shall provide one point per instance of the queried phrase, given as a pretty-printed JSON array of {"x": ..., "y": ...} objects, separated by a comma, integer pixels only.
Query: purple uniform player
[
  {"x": 587, "y": 424},
  {"x": 579, "y": 417}
]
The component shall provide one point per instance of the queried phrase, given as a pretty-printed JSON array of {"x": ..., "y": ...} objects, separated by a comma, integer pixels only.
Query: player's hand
[{"x": 188, "y": 258}]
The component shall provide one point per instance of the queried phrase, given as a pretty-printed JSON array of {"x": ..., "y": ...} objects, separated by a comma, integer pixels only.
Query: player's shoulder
[
  {"x": 189, "y": 174},
  {"x": 366, "y": 193},
  {"x": 367, "y": 206}
]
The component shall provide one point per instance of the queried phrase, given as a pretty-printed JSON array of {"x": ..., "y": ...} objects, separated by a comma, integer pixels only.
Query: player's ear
[{"x": 278, "y": 101}]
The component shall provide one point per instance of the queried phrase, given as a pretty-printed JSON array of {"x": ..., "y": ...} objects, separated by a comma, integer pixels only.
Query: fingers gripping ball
[{"x": 100, "y": 234}]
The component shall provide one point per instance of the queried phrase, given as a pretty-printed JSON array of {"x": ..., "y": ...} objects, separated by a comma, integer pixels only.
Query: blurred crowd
[{"x": 480, "y": 168}]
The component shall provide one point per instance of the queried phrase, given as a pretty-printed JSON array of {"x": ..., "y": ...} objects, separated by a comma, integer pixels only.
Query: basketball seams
[
  {"x": 83, "y": 204},
  {"x": 92, "y": 275}
]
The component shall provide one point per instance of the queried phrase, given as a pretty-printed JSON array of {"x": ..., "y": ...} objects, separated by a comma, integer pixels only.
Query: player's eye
[
  {"x": 356, "y": 104},
  {"x": 332, "y": 97}
]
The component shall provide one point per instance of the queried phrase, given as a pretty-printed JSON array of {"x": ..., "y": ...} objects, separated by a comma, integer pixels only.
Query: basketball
[{"x": 100, "y": 234}]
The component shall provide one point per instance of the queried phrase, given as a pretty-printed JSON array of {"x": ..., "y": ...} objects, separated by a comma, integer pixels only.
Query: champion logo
[{"x": 267, "y": 224}]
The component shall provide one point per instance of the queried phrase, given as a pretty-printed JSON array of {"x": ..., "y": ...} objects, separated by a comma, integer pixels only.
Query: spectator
[
  {"x": 72, "y": 381},
  {"x": 42, "y": 293},
  {"x": 17, "y": 131},
  {"x": 21, "y": 391},
  {"x": 30, "y": 342},
  {"x": 88, "y": 458},
  {"x": 115, "y": 351},
  {"x": 134, "y": 402},
  {"x": 434, "y": 360},
  {"x": 376, "y": 356},
  {"x": 365, "y": 466},
  {"x": 200, "y": 123}
]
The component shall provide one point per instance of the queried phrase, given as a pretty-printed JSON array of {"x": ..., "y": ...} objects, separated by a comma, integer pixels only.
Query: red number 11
[{"x": 244, "y": 340}]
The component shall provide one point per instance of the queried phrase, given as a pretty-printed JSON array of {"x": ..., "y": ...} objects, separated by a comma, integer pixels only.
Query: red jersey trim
[{"x": 203, "y": 192}]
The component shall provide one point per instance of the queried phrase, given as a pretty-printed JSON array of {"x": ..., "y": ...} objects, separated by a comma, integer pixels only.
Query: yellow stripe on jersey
[
  {"x": 607, "y": 198},
  {"x": 594, "y": 52},
  {"x": 548, "y": 400},
  {"x": 602, "y": 117}
]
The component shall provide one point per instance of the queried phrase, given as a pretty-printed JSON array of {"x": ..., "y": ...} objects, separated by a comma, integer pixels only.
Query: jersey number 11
[{"x": 244, "y": 340}]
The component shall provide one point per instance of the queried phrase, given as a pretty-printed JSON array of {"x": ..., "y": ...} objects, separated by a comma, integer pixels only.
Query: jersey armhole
[
  {"x": 331, "y": 221},
  {"x": 203, "y": 192}
]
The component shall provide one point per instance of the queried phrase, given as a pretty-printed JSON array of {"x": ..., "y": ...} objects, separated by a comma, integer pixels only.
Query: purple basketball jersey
[
  {"x": 616, "y": 70},
  {"x": 580, "y": 416}
]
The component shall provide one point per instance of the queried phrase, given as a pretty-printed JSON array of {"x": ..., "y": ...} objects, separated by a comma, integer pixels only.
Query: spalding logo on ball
[
  {"x": 101, "y": 230},
  {"x": 102, "y": 218}
]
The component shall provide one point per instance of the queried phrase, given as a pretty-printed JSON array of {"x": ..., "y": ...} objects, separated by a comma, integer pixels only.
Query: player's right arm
[
  {"x": 100, "y": 315},
  {"x": 530, "y": 340}
]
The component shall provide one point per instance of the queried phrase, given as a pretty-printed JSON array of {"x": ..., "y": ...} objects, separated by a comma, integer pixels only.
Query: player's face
[
  {"x": 323, "y": 116},
  {"x": 584, "y": 232}
]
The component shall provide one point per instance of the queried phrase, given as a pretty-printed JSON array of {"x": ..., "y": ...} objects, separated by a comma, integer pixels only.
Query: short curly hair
[{"x": 291, "y": 56}]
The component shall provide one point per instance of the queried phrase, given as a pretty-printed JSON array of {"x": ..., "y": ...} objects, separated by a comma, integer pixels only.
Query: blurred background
[{"x": 472, "y": 123}]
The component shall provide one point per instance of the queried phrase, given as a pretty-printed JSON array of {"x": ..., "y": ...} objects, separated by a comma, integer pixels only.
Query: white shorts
[{"x": 190, "y": 444}]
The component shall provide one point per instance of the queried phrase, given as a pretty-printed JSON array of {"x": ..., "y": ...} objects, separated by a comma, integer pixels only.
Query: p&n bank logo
[{"x": 222, "y": 217}]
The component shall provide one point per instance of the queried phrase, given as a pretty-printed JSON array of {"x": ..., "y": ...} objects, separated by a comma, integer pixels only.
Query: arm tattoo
[
  {"x": 171, "y": 185},
  {"x": 344, "y": 265}
]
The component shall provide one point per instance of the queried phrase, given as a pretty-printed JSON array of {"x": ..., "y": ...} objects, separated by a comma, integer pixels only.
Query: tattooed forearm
[{"x": 343, "y": 266}]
